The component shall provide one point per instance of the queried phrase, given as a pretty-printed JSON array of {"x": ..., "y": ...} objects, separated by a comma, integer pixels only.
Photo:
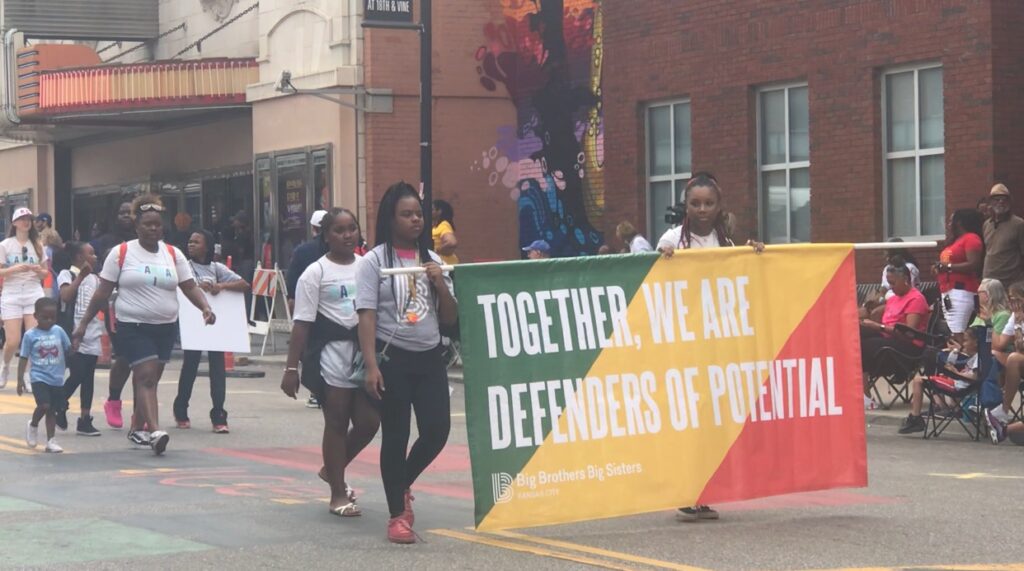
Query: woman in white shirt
[
  {"x": 325, "y": 337},
  {"x": 24, "y": 267},
  {"x": 147, "y": 272},
  {"x": 705, "y": 225},
  {"x": 632, "y": 239}
]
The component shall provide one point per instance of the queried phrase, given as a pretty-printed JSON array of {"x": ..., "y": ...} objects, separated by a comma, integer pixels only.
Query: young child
[
  {"x": 963, "y": 363},
  {"x": 45, "y": 346},
  {"x": 77, "y": 285}
]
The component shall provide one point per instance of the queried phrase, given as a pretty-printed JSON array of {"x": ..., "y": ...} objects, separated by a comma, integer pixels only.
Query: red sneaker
[
  {"x": 399, "y": 530},
  {"x": 407, "y": 514}
]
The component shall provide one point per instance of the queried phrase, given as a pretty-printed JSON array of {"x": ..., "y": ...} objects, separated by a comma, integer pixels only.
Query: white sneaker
[
  {"x": 5, "y": 372},
  {"x": 31, "y": 435},
  {"x": 159, "y": 440},
  {"x": 52, "y": 446}
]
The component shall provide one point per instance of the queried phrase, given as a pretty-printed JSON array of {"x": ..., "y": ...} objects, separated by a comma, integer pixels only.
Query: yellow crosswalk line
[{"x": 22, "y": 449}]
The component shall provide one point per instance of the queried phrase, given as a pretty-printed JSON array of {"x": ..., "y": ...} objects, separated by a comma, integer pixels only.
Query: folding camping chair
[
  {"x": 966, "y": 409},
  {"x": 896, "y": 368}
]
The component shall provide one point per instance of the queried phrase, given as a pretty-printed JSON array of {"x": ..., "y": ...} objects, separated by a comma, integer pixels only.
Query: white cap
[
  {"x": 316, "y": 219},
  {"x": 20, "y": 212}
]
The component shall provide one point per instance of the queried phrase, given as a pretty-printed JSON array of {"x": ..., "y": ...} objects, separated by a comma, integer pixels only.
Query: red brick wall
[
  {"x": 718, "y": 53},
  {"x": 466, "y": 121}
]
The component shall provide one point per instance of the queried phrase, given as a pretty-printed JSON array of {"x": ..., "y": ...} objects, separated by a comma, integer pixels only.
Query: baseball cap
[
  {"x": 539, "y": 245},
  {"x": 46, "y": 217},
  {"x": 20, "y": 212},
  {"x": 317, "y": 218},
  {"x": 999, "y": 190}
]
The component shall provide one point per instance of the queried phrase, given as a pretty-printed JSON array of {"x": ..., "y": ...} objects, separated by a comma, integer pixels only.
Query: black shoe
[
  {"x": 62, "y": 419},
  {"x": 140, "y": 439},
  {"x": 913, "y": 424},
  {"x": 312, "y": 402},
  {"x": 85, "y": 427}
]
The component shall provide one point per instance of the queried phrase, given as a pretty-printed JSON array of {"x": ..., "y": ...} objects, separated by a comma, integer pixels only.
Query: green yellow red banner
[{"x": 616, "y": 385}]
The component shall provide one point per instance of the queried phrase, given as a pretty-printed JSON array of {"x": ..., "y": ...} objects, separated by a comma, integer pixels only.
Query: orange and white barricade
[{"x": 267, "y": 286}]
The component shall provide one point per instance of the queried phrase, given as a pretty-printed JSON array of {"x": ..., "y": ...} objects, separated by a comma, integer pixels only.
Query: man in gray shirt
[{"x": 1004, "y": 240}]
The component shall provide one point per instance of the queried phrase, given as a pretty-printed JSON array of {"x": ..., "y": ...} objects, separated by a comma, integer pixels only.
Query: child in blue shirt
[{"x": 45, "y": 347}]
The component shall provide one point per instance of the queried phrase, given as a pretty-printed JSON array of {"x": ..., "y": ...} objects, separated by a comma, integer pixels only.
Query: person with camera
[
  {"x": 701, "y": 222},
  {"x": 958, "y": 270}
]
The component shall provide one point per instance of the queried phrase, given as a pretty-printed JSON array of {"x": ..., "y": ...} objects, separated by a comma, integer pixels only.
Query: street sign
[{"x": 388, "y": 11}]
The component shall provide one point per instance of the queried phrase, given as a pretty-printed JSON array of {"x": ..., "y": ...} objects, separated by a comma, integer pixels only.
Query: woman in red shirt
[{"x": 959, "y": 269}]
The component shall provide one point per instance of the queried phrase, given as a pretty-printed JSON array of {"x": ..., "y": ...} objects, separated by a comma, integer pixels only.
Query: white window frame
[
  {"x": 787, "y": 166},
  {"x": 916, "y": 153},
  {"x": 672, "y": 177}
]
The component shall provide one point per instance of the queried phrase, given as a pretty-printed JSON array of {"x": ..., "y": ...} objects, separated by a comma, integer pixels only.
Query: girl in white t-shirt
[
  {"x": 24, "y": 267},
  {"x": 705, "y": 225},
  {"x": 325, "y": 301},
  {"x": 632, "y": 239},
  {"x": 77, "y": 285}
]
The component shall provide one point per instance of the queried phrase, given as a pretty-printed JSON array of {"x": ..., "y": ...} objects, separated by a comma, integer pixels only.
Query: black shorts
[
  {"x": 48, "y": 395},
  {"x": 141, "y": 342}
]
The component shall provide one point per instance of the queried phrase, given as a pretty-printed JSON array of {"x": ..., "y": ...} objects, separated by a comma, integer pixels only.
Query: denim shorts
[
  {"x": 141, "y": 342},
  {"x": 48, "y": 395}
]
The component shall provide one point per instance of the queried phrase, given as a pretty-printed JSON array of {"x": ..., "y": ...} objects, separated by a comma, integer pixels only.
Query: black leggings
[
  {"x": 187, "y": 380},
  {"x": 412, "y": 381},
  {"x": 871, "y": 342},
  {"x": 81, "y": 373}
]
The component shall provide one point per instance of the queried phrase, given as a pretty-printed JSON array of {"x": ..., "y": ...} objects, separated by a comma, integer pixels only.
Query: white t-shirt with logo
[
  {"x": 329, "y": 288},
  {"x": 146, "y": 283},
  {"x": 12, "y": 253},
  {"x": 91, "y": 344}
]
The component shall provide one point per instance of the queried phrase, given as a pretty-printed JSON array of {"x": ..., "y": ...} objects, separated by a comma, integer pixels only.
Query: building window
[
  {"x": 914, "y": 145},
  {"x": 290, "y": 185},
  {"x": 669, "y": 160},
  {"x": 784, "y": 161}
]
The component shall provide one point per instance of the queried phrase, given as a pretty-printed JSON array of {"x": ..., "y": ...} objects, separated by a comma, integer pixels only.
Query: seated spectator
[
  {"x": 875, "y": 303},
  {"x": 632, "y": 239},
  {"x": 907, "y": 306},
  {"x": 1013, "y": 342},
  {"x": 964, "y": 373},
  {"x": 994, "y": 313}
]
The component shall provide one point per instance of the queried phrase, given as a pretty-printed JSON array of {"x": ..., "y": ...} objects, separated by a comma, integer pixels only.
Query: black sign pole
[
  {"x": 426, "y": 128},
  {"x": 397, "y": 15}
]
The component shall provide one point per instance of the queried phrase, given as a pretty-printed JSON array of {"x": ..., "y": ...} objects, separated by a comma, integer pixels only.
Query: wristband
[{"x": 291, "y": 369}]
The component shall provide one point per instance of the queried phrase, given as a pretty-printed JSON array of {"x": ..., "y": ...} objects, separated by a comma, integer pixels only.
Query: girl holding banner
[
  {"x": 399, "y": 331},
  {"x": 213, "y": 278},
  {"x": 704, "y": 225},
  {"x": 324, "y": 336}
]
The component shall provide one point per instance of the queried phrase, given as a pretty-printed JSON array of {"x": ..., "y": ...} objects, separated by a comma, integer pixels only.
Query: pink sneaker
[
  {"x": 399, "y": 531},
  {"x": 112, "y": 409}
]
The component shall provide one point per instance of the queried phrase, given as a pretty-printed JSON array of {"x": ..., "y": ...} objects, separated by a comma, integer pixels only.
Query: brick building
[{"x": 824, "y": 121}]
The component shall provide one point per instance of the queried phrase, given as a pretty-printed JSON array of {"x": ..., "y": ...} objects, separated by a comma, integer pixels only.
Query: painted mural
[{"x": 546, "y": 54}]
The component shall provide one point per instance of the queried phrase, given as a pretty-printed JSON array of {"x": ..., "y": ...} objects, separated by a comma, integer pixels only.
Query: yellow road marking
[
  {"x": 16, "y": 450},
  {"x": 976, "y": 476},
  {"x": 287, "y": 501},
  {"x": 538, "y": 551},
  {"x": 596, "y": 551}
]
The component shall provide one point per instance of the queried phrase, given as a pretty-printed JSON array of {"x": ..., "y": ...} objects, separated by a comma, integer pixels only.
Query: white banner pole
[{"x": 866, "y": 246}]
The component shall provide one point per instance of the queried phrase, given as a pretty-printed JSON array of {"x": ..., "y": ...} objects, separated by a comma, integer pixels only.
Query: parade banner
[{"x": 615, "y": 385}]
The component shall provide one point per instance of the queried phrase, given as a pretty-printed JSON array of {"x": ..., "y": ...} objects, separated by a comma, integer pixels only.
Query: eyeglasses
[
  {"x": 151, "y": 208},
  {"x": 24, "y": 253}
]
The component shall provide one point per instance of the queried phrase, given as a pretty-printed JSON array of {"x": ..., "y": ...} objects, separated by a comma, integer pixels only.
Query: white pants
[
  {"x": 18, "y": 300},
  {"x": 959, "y": 309}
]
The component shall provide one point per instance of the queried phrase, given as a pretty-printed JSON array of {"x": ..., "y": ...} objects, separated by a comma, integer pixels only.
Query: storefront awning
[{"x": 122, "y": 92}]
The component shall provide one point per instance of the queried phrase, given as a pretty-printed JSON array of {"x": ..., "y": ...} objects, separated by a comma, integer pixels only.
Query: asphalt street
[{"x": 251, "y": 500}]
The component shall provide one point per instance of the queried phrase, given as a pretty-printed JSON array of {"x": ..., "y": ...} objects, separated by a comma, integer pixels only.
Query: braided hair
[
  {"x": 720, "y": 225},
  {"x": 386, "y": 216}
]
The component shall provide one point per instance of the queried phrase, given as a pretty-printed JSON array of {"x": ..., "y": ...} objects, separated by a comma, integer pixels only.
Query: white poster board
[{"x": 229, "y": 333}]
